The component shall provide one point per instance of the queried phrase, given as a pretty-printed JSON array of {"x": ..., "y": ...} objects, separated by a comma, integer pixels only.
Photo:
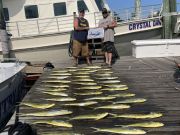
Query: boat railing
[
  {"x": 34, "y": 27},
  {"x": 145, "y": 12}
]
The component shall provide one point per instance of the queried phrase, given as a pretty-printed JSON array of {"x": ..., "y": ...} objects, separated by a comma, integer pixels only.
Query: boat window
[
  {"x": 6, "y": 14},
  {"x": 60, "y": 9},
  {"x": 100, "y": 4},
  {"x": 31, "y": 11},
  {"x": 82, "y": 5}
]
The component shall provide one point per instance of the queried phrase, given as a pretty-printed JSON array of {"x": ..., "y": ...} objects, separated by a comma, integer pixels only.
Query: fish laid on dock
[
  {"x": 61, "y": 99},
  {"x": 54, "y": 123},
  {"x": 117, "y": 106},
  {"x": 56, "y": 94},
  {"x": 56, "y": 81},
  {"x": 85, "y": 84},
  {"x": 151, "y": 115},
  {"x": 133, "y": 100},
  {"x": 82, "y": 104},
  {"x": 90, "y": 88},
  {"x": 48, "y": 113},
  {"x": 123, "y": 95},
  {"x": 82, "y": 76},
  {"x": 38, "y": 105},
  {"x": 125, "y": 131},
  {"x": 83, "y": 80},
  {"x": 101, "y": 98},
  {"x": 115, "y": 85},
  {"x": 59, "y": 71},
  {"x": 51, "y": 89},
  {"x": 93, "y": 67},
  {"x": 110, "y": 81},
  {"x": 91, "y": 116},
  {"x": 81, "y": 73},
  {"x": 102, "y": 75},
  {"x": 115, "y": 89},
  {"x": 89, "y": 93},
  {"x": 57, "y": 77},
  {"x": 56, "y": 86},
  {"x": 106, "y": 78},
  {"x": 145, "y": 125}
]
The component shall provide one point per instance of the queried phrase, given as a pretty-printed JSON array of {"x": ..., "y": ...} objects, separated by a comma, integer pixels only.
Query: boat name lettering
[{"x": 144, "y": 25}]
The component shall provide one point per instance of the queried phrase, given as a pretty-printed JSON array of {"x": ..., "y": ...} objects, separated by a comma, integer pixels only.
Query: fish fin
[{"x": 95, "y": 129}]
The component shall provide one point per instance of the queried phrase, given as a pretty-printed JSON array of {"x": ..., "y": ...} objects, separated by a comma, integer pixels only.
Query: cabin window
[
  {"x": 82, "y": 5},
  {"x": 31, "y": 11},
  {"x": 6, "y": 14},
  {"x": 100, "y": 4},
  {"x": 60, "y": 9}
]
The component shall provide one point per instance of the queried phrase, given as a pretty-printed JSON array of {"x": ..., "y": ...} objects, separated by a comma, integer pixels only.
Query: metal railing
[{"x": 60, "y": 24}]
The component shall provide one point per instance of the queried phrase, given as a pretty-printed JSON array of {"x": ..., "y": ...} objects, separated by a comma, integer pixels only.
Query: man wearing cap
[
  {"x": 81, "y": 27},
  {"x": 108, "y": 23}
]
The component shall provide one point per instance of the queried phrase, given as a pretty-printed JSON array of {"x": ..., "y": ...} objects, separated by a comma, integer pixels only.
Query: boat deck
[{"x": 150, "y": 78}]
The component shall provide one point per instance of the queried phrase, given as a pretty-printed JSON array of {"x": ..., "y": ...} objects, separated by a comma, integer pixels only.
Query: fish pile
[{"x": 63, "y": 97}]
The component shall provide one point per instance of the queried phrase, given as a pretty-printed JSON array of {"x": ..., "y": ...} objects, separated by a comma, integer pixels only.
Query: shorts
[
  {"x": 108, "y": 47},
  {"x": 80, "y": 47}
]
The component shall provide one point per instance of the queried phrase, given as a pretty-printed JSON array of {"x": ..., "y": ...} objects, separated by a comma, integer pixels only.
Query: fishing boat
[{"x": 41, "y": 29}]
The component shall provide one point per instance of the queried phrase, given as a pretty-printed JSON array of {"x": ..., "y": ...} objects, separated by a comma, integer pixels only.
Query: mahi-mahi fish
[
  {"x": 93, "y": 67},
  {"x": 116, "y": 106},
  {"x": 65, "y": 99},
  {"x": 60, "y": 74},
  {"x": 54, "y": 123},
  {"x": 38, "y": 105},
  {"x": 123, "y": 95},
  {"x": 150, "y": 124},
  {"x": 124, "y": 131},
  {"x": 47, "y": 113},
  {"x": 132, "y": 100},
  {"x": 110, "y": 81},
  {"x": 86, "y": 83},
  {"x": 90, "y": 88},
  {"x": 115, "y": 85},
  {"x": 115, "y": 89},
  {"x": 57, "y": 77},
  {"x": 89, "y": 93},
  {"x": 101, "y": 98},
  {"x": 150, "y": 115},
  {"x": 56, "y": 94},
  {"x": 91, "y": 116},
  {"x": 83, "y": 80},
  {"x": 81, "y": 104},
  {"x": 106, "y": 78},
  {"x": 56, "y": 86},
  {"x": 56, "y": 81}
]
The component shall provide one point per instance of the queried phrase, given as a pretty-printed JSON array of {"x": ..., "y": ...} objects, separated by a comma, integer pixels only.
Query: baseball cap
[{"x": 81, "y": 10}]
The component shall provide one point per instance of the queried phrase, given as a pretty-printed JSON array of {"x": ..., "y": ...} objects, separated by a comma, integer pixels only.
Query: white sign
[{"x": 96, "y": 33}]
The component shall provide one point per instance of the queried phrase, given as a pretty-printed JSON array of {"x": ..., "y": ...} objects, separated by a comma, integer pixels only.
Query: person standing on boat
[
  {"x": 108, "y": 23},
  {"x": 81, "y": 27}
]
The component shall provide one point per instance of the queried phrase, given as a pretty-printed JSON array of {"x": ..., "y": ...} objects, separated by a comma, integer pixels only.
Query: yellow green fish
[
  {"x": 57, "y": 77},
  {"x": 81, "y": 104},
  {"x": 61, "y": 99},
  {"x": 133, "y": 100},
  {"x": 151, "y": 115},
  {"x": 84, "y": 80},
  {"x": 116, "y": 106},
  {"x": 56, "y": 81},
  {"x": 103, "y": 75},
  {"x": 111, "y": 81},
  {"x": 90, "y": 88},
  {"x": 93, "y": 67},
  {"x": 145, "y": 124},
  {"x": 81, "y": 73},
  {"x": 48, "y": 113},
  {"x": 91, "y": 116},
  {"x": 56, "y": 94},
  {"x": 59, "y": 71},
  {"x": 125, "y": 131},
  {"x": 56, "y": 86},
  {"x": 116, "y": 85},
  {"x": 123, "y": 95},
  {"x": 115, "y": 89},
  {"x": 82, "y": 76},
  {"x": 107, "y": 78},
  {"x": 38, "y": 105},
  {"x": 85, "y": 83},
  {"x": 89, "y": 93},
  {"x": 54, "y": 123},
  {"x": 101, "y": 98}
]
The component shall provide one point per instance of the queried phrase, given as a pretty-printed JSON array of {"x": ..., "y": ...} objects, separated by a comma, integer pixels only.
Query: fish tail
[{"x": 95, "y": 129}]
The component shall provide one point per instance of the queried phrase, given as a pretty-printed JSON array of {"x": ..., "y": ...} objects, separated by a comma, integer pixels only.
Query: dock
[{"x": 149, "y": 78}]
